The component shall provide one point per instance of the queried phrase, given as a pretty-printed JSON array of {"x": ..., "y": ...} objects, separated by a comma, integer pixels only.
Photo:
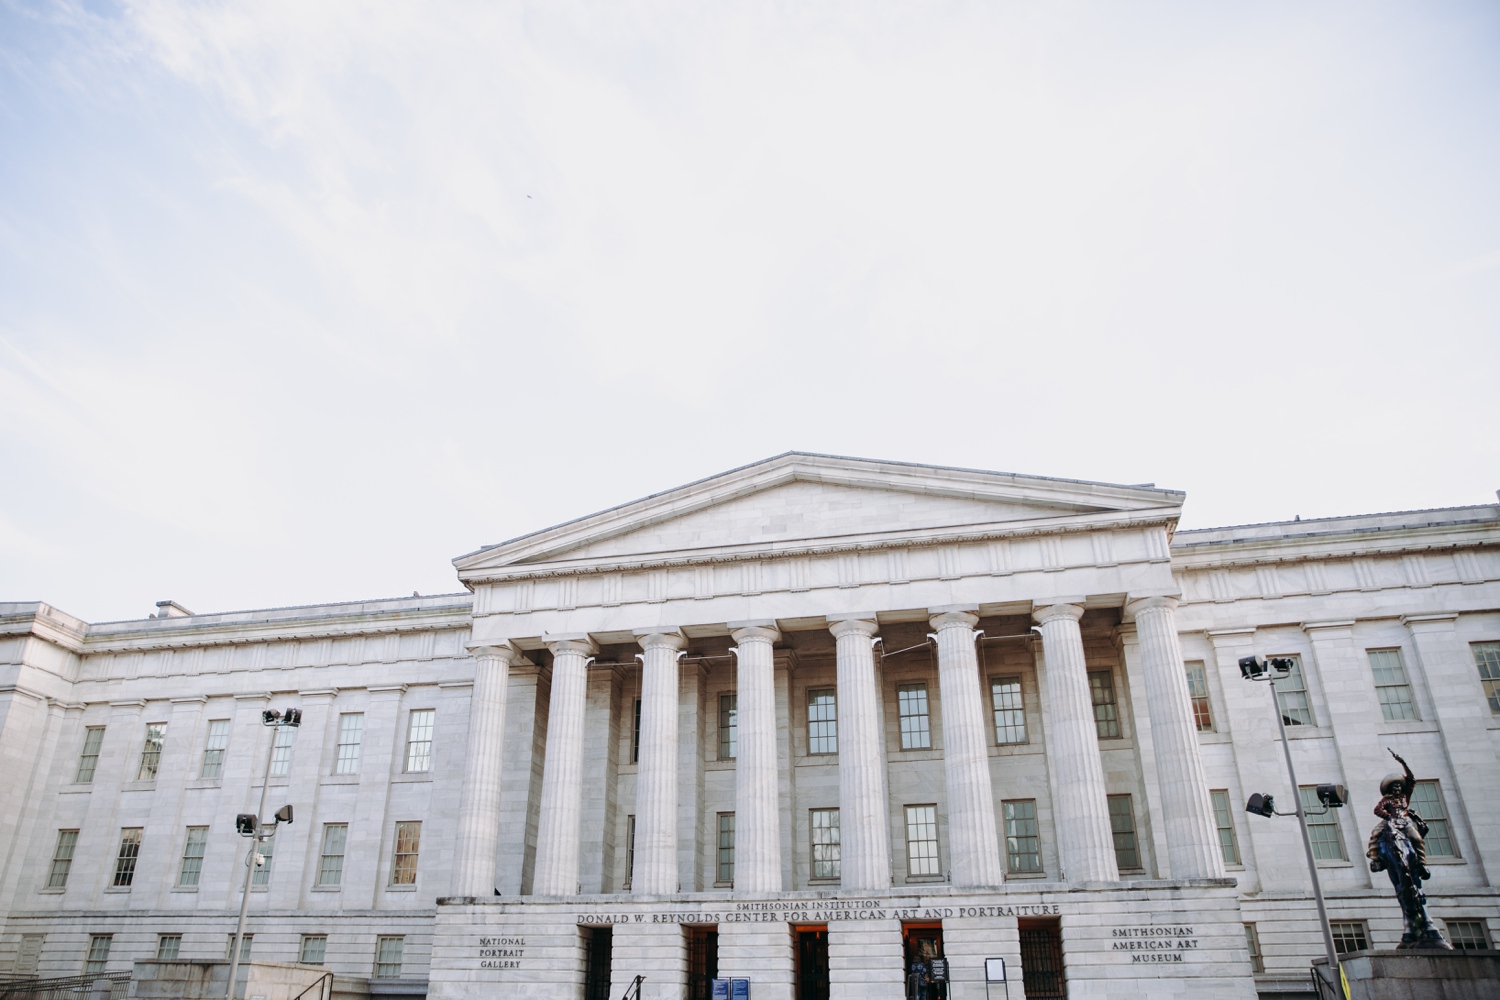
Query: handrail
[
  {"x": 70, "y": 986},
  {"x": 326, "y": 977},
  {"x": 633, "y": 988}
]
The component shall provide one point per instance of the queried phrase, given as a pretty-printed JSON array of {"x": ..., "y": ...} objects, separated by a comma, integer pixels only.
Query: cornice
[
  {"x": 249, "y": 633},
  {"x": 1335, "y": 545}
]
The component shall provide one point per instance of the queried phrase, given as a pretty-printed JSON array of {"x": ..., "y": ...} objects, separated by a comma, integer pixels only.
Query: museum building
[{"x": 807, "y": 723}]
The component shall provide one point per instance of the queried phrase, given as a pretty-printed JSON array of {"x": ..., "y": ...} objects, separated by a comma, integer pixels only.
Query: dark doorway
[
  {"x": 1042, "y": 960},
  {"x": 812, "y": 963},
  {"x": 921, "y": 945},
  {"x": 598, "y": 943},
  {"x": 703, "y": 961}
]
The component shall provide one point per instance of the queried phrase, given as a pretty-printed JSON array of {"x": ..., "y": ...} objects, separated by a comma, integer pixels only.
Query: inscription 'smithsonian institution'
[{"x": 818, "y": 723}]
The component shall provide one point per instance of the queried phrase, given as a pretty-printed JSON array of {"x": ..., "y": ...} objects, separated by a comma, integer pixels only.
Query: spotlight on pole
[
  {"x": 247, "y": 824},
  {"x": 1261, "y": 805},
  {"x": 1333, "y": 796}
]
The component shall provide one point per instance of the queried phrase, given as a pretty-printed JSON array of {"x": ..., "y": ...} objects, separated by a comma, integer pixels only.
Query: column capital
[
  {"x": 1328, "y": 630},
  {"x": 1139, "y": 604},
  {"x": 753, "y": 632},
  {"x": 1053, "y": 612},
  {"x": 571, "y": 643},
  {"x": 494, "y": 651},
  {"x": 1431, "y": 623},
  {"x": 655, "y": 638},
  {"x": 1223, "y": 638},
  {"x": 846, "y": 626},
  {"x": 953, "y": 619}
]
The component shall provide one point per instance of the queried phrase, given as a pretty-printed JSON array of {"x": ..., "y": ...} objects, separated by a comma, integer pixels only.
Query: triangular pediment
[{"x": 798, "y": 500}]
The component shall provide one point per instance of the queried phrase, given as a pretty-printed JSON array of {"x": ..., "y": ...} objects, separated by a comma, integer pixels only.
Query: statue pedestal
[{"x": 1421, "y": 975}]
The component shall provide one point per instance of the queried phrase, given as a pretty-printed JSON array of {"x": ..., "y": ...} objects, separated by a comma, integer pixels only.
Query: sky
[{"x": 300, "y": 301}]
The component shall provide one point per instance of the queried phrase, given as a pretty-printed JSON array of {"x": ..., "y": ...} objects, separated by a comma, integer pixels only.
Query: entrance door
[
  {"x": 925, "y": 978},
  {"x": 812, "y": 963},
  {"x": 600, "y": 945},
  {"x": 1042, "y": 960},
  {"x": 703, "y": 961}
]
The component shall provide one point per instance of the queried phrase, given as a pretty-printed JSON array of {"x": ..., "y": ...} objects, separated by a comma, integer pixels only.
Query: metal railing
[
  {"x": 105, "y": 986},
  {"x": 324, "y": 986},
  {"x": 634, "y": 989}
]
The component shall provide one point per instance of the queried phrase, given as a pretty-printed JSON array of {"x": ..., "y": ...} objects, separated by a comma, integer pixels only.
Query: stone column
[
  {"x": 1186, "y": 812},
  {"x": 1079, "y": 808},
  {"x": 973, "y": 846},
  {"x": 757, "y": 841},
  {"x": 656, "y": 775},
  {"x": 562, "y": 787},
  {"x": 478, "y": 840},
  {"x": 864, "y": 830}
]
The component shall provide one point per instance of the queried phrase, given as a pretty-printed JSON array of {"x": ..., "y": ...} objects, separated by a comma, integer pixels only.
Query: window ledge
[
  {"x": 326, "y": 888},
  {"x": 339, "y": 779},
  {"x": 723, "y": 885},
  {"x": 1445, "y": 861},
  {"x": 1211, "y": 736},
  {"x": 1309, "y": 732},
  {"x": 824, "y": 881},
  {"x": 184, "y": 888},
  {"x": 401, "y": 888},
  {"x": 1029, "y": 876},
  {"x": 925, "y": 879},
  {"x": 76, "y": 790},
  {"x": 148, "y": 785},
  {"x": 52, "y": 891},
  {"x": 411, "y": 776},
  {"x": 197, "y": 783},
  {"x": 1335, "y": 864},
  {"x": 118, "y": 889},
  {"x": 719, "y": 765}
]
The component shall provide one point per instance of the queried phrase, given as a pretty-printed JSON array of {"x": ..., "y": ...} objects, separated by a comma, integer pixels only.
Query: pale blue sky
[{"x": 298, "y": 301}]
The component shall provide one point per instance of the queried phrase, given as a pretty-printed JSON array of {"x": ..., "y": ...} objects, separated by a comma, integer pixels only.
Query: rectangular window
[
  {"x": 62, "y": 859},
  {"x": 822, "y": 721},
  {"x": 156, "y": 736},
  {"x": 388, "y": 957},
  {"x": 213, "y": 749},
  {"x": 1197, "y": 678},
  {"x": 635, "y": 735},
  {"x": 419, "y": 740},
  {"x": 1323, "y": 829},
  {"x": 1467, "y": 935},
  {"x": 1391, "y": 685},
  {"x": 1106, "y": 710},
  {"x": 1252, "y": 942},
  {"x": 97, "y": 959},
  {"x": 281, "y": 750},
  {"x": 130, "y": 850},
  {"x": 921, "y": 841},
  {"x": 1427, "y": 801},
  {"x": 1291, "y": 695},
  {"x": 193, "y": 847},
  {"x": 314, "y": 949},
  {"x": 168, "y": 947},
  {"x": 1010, "y": 713},
  {"x": 331, "y": 855},
  {"x": 351, "y": 733},
  {"x": 267, "y": 851},
  {"x": 1022, "y": 848},
  {"x": 726, "y": 848},
  {"x": 729, "y": 726},
  {"x": 629, "y": 850},
  {"x": 911, "y": 700},
  {"x": 404, "y": 860},
  {"x": 825, "y": 843},
  {"x": 1349, "y": 935},
  {"x": 1487, "y": 659},
  {"x": 1122, "y": 826},
  {"x": 1224, "y": 820},
  {"x": 88, "y": 760},
  {"x": 245, "y": 943}
]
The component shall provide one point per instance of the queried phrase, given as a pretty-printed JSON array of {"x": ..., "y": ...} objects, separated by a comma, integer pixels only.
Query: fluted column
[
  {"x": 478, "y": 840},
  {"x": 865, "y": 852},
  {"x": 757, "y": 842},
  {"x": 1192, "y": 837},
  {"x": 656, "y": 773},
  {"x": 562, "y": 790},
  {"x": 1079, "y": 807},
  {"x": 973, "y": 846}
]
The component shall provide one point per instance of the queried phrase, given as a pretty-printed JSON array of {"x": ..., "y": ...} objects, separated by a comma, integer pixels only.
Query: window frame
[
  {"x": 1107, "y": 723},
  {"x": 826, "y": 740},
  {"x": 282, "y": 738},
  {"x": 322, "y": 940},
  {"x": 261, "y": 877},
  {"x": 729, "y": 725},
  {"x": 162, "y": 941},
  {"x": 194, "y": 836},
  {"x": 1015, "y": 834},
  {"x": 1299, "y": 694},
  {"x": 408, "y": 835},
  {"x": 88, "y": 755},
  {"x": 215, "y": 749},
  {"x": 347, "y": 752},
  {"x": 1019, "y": 709},
  {"x": 635, "y": 734},
  {"x": 1467, "y": 942},
  {"x": 1349, "y": 932},
  {"x": 629, "y": 849},
  {"x": 925, "y": 823},
  {"x": 128, "y": 856},
  {"x": 325, "y": 857},
  {"x": 828, "y": 852},
  {"x": 1317, "y": 821},
  {"x": 95, "y": 956},
  {"x": 57, "y": 878},
  {"x": 1252, "y": 944},
  {"x": 1390, "y": 692},
  {"x": 383, "y": 957},
  {"x": 151, "y": 751},
  {"x": 1223, "y": 810},
  {"x": 917, "y": 735},
  {"x": 419, "y": 751},
  {"x": 724, "y": 852},
  {"x": 1198, "y": 696},
  {"x": 1486, "y": 655},
  {"x": 1439, "y": 826},
  {"x": 1118, "y": 830}
]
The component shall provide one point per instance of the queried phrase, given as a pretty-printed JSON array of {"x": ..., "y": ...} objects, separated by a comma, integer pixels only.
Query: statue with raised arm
[{"x": 1398, "y": 848}]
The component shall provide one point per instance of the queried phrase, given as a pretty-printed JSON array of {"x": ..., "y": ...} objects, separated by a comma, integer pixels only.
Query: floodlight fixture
[
  {"x": 284, "y": 814},
  {"x": 247, "y": 824},
  {"x": 1261, "y": 805},
  {"x": 270, "y": 717},
  {"x": 1333, "y": 796},
  {"x": 1253, "y": 668}
]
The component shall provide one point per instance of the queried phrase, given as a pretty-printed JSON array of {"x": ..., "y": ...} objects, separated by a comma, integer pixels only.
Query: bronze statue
[{"x": 1398, "y": 848}]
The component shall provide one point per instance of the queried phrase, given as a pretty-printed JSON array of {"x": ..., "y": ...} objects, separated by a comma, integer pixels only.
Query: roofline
[{"x": 1338, "y": 517}]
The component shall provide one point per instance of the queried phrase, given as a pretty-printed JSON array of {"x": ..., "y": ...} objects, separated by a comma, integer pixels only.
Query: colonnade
[{"x": 1080, "y": 807}]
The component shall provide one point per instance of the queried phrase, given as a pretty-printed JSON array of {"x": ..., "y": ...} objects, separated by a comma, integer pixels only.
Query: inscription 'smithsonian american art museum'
[{"x": 806, "y": 722}]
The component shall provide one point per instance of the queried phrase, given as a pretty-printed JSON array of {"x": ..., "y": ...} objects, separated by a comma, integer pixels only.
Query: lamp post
[{"x": 249, "y": 825}]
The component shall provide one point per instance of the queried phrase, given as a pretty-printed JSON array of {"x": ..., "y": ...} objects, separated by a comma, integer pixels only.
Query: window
[
  {"x": 1291, "y": 695},
  {"x": 1197, "y": 679},
  {"x": 1010, "y": 713},
  {"x": 267, "y": 850},
  {"x": 193, "y": 846},
  {"x": 331, "y": 859},
  {"x": 726, "y": 849},
  {"x": 635, "y": 737},
  {"x": 419, "y": 740},
  {"x": 729, "y": 726},
  {"x": 245, "y": 943},
  {"x": 97, "y": 959},
  {"x": 281, "y": 750},
  {"x": 213, "y": 750},
  {"x": 1349, "y": 935},
  {"x": 1122, "y": 825},
  {"x": 911, "y": 700},
  {"x": 1427, "y": 800},
  {"x": 921, "y": 840},
  {"x": 351, "y": 732},
  {"x": 1467, "y": 935},
  {"x": 1487, "y": 659},
  {"x": 1322, "y": 830},
  {"x": 629, "y": 849},
  {"x": 1224, "y": 820},
  {"x": 388, "y": 957},
  {"x": 130, "y": 850},
  {"x": 314, "y": 949},
  {"x": 822, "y": 721},
  {"x": 1391, "y": 685},
  {"x": 1252, "y": 942},
  {"x": 93, "y": 739},
  {"x": 404, "y": 861},
  {"x": 825, "y": 843},
  {"x": 28, "y": 956},
  {"x": 62, "y": 859},
  {"x": 156, "y": 735},
  {"x": 1106, "y": 711},
  {"x": 1021, "y": 846},
  {"x": 168, "y": 947}
]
